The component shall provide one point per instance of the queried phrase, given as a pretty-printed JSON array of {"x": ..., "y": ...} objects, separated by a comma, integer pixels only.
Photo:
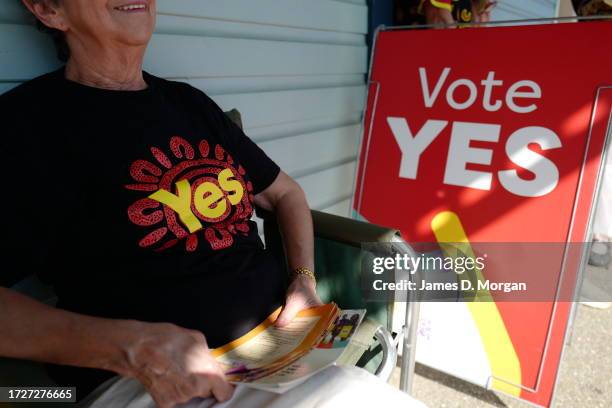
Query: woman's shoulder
[
  {"x": 178, "y": 89},
  {"x": 30, "y": 92}
]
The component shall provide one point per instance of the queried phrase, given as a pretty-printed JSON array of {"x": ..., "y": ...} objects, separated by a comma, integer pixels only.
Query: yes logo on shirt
[
  {"x": 209, "y": 199},
  {"x": 196, "y": 197}
]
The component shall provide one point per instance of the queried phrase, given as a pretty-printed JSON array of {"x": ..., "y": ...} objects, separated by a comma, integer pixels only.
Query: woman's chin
[
  {"x": 135, "y": 39},
  {"x": 134, "y": 32}
]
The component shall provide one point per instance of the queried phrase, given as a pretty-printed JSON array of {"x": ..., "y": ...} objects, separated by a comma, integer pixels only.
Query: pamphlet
[{"x": 277, "y": 359}]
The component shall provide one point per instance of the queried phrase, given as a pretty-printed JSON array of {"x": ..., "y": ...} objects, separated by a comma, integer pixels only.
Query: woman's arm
[
  {"x": 34, "y": 331},
  {"x": 286, "y": 198},
  {"x": 173, "y": 363}
]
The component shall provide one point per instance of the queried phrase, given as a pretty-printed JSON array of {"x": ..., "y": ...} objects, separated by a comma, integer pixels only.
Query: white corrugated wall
[
  {"x": 524, "y": 9},
  {"x": 294, "y": 68}
]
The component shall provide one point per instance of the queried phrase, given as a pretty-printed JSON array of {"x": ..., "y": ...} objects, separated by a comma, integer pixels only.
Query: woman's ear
[{"x": 48, "y": 12}]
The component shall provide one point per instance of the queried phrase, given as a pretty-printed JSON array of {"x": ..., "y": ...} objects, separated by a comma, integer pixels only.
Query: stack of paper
[{"x": 279, "y": 358}]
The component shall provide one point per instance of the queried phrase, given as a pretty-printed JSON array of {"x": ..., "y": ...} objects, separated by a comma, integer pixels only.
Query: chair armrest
[
  {"x": 337, "y": 228},
  {"x": 389, "y": 350},
  {"x": 349, "y": 231}
]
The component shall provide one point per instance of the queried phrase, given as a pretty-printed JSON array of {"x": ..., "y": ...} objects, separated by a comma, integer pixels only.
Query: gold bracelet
[{"x": 305, "y": 272}]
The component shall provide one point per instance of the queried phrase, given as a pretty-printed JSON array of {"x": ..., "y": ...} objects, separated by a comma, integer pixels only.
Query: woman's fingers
[
  {"x": 165, "y": 396},
  {"x": 220, "y": 388},
  {"x": 212, "y": 382},
  {"x": 293, "y": 305},
  {"x": 207, "y": 381},
  {"x": 301, "y": 294},
  {"x": 175, "y": 365},
  {"x": 181, "y": 389}
]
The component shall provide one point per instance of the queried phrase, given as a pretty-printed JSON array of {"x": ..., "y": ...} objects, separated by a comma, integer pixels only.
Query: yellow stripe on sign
[{"x": 505, "y": 365}]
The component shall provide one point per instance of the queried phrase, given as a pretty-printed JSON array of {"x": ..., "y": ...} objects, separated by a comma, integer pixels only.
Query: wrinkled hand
[
  {"x": 437, "y": 15},
  {"x": 301, "y": 295},
  {"x": 175, "y": 365}
]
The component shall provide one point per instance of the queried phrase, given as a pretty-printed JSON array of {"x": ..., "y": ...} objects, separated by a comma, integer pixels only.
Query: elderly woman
[{"x": 133, "y": 195}]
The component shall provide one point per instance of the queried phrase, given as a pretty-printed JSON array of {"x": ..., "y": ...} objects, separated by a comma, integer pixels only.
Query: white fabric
[
  {"x": 603, "y": 217},
  {"x": 334, "y": 387}
]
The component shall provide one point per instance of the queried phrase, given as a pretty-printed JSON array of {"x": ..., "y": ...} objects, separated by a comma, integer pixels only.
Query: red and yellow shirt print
[{"x": 190, "y": 194}]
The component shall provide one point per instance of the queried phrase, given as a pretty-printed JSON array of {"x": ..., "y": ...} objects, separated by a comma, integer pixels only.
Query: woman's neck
[{"x": 107, "y": 70}]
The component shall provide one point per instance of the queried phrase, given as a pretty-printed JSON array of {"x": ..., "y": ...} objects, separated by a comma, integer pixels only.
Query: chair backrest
[{"x": 235, "y": 116}]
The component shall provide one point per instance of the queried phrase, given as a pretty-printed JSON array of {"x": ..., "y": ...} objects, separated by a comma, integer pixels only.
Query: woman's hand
[
  {"x": 301, "y": 295},
  {"x": 174, "y": 364}
]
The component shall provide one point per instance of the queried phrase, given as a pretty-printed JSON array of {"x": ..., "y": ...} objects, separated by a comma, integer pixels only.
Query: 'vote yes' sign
[
  {"x": 461, "y": 94},
  {"x": 489, "y": 135}
]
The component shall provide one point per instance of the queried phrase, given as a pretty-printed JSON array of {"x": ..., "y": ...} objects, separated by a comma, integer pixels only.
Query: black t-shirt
[{"x": 136, "y": 205}]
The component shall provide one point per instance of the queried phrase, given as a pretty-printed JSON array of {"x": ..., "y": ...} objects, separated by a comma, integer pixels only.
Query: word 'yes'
[
  {"x": 460, "y": 153},
  {"x": 209, "y": 199}
]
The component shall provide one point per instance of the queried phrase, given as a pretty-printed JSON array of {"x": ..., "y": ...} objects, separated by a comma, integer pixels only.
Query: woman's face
[{"x": 123, "y": 22}]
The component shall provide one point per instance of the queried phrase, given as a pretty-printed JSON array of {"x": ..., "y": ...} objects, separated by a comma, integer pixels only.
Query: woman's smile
[{"x": 134, "y": 7}]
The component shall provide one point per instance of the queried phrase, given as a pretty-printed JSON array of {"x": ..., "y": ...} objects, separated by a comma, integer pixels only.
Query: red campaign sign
[{"x": 494, "y": 135}]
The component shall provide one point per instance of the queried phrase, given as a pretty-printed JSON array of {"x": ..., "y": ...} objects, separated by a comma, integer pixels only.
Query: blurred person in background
[
  {"x": 413, "y": 12},
  {"x": 592, "y": 7}
]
